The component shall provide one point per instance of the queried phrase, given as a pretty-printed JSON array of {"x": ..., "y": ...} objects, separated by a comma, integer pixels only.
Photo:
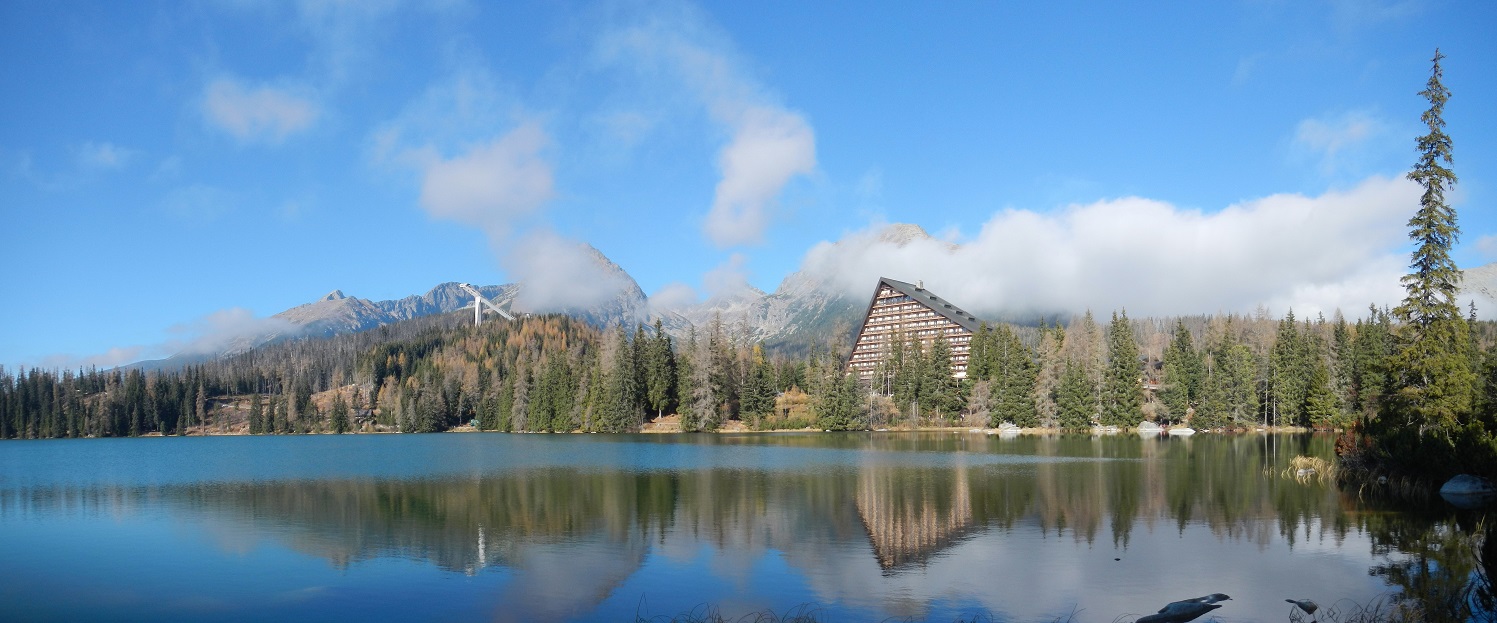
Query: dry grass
[{"x": 1309, "y": 468}]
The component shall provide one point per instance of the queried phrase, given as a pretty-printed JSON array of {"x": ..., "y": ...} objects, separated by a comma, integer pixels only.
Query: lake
[{"x": 858, "y": 526}]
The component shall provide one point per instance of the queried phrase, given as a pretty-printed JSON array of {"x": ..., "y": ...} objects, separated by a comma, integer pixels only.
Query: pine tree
[
  {"x": 621, "y": 410},
  {"x": 1372, "y": 350},
  {"x": 979, "y": 359},
  {"x": 688, "y": 373},
  {"x": 757, "y": 396},
  {"x": 1122, "y": 402},
  {"x": 910, "y": 362},
  {"x": 1342, "y": 357},
  {"x": 1073, "y": 399},
  {"x": 1181, "y": 389},
  {"x": 837, "y": 402},
  {"x": 1289, "y": 374},
  {"x": 1435, "y": 383},
  {"x": 1237, "y": 367},
  {"x": 256, "y": 416},
  {"x": 338, "y": 415},
  {"x": 939, "y": 393},
  {"x": 660, "y": 371},
  {"x": 200, "y": 408},
  {"x": 1013, "y": 374}
]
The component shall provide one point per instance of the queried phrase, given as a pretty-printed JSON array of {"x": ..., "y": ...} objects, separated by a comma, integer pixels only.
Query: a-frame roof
[{"x": 926, "y": 298}]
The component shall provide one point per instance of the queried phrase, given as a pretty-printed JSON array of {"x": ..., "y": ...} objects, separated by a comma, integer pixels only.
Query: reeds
[{"x": 1307, "y": 468}]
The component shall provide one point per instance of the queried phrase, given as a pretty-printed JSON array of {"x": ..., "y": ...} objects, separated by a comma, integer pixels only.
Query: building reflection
[{"x": 910, "y": 517}]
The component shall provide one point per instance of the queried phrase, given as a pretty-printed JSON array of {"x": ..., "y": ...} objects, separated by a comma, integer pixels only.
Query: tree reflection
[
  {"x": 1440, "y": 563},
  {"x": 575, "y": 535}
]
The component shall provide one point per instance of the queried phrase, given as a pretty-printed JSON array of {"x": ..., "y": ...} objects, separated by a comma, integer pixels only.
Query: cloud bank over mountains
[{"x": 1339, "y": 250}]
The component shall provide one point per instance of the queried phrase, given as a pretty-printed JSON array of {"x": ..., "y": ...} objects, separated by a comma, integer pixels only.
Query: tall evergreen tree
[
  {"x": 758, "y": 393},
  {"x": 256, "y": 416},
  {"x": 338, "y": 415},
  {"x": 1289, "y": 374},
  {"x": 1122, "y": 402},
  {"x": 1181, "y": 388},
  {"x": 621, "y": 410},
  {"x": 1435, "y": 383},
  {"x": 1372, "y": 350},
  {"x": 836, "y": 403},
  {"x": 660, "y": 371},
  {"x": 909, "y": 363},
  {"x": 1013, "y": 373},
  {"x": 940, "y": 394},
  {"x": 1073, "y": 399}
]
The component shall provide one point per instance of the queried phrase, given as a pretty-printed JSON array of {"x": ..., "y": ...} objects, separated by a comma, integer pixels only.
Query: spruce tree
[
  {"x": 660, "y": 371},
  {"x": 1073, "y": 399},
  {"x": 621, "y": 410},
  {"x": 979, "y": 361},
  {"x": 338, "y": 415},
  {"x": 1122, "y": 402},
  {"x": 909, "y": 362},
  {"x": 939, "y": 394},
  {"x": 837, "y": 403},
  {"x": 1182, "y": 375},
  {"x": 1434, "y": 381},
  {"x": 757, "y": 396},
  {"x": 1013, "y": 378},
  {"x": 256, "y": 416}
]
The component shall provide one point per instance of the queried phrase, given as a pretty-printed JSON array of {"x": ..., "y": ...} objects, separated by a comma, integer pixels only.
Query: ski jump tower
[{"x": 479, "y": 303}]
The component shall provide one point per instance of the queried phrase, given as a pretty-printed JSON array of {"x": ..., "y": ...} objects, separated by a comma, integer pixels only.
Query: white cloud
[
  {"x": 1487, "y": 245},
  {"x": 728, "y": 279},
  {"x": 446, "y": 118},
  {"x": 104, "y": 155},
  {"x": 769, "y": 145},
  {"x": 218, "y": 332},
  {"x": 673, "y": 296},
  {"x": 263, "y": 114},
  {"x": 1341, "y": 250},
  {"x": 108, "y": 359},
  {"x": 223, "y": 330},
  {"x": 491, "y": 185},
  {"x": 1330, "y": 139},
  {"x": 557, "y": 273}
]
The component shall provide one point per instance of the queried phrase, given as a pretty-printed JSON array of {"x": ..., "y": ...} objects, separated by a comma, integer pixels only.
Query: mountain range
[{"x": 807, "y": 310}]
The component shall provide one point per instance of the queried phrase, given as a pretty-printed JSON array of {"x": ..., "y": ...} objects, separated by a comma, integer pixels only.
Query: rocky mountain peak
[
  {"x": 901, "y": 234},
  {"x": 335, "y": 295}
]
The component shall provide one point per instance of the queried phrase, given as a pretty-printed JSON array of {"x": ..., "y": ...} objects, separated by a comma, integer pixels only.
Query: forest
[{"x": 556, "y": 374}]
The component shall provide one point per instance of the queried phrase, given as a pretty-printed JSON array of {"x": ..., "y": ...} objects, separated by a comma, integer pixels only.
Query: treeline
[
  {"x": 556, "y": 374},
  {"x": 1210, "y": 372}
]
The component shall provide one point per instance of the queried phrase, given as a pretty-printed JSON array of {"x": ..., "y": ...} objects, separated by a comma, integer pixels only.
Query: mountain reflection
[{"x": 573, "y": 536}]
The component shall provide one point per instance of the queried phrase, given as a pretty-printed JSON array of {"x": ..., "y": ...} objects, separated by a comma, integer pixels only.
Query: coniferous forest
[{"x": 1414, "y": 387}]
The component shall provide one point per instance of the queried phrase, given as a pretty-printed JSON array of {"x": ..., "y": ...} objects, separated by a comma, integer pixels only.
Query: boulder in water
[{"x": 1467, "y": 491}]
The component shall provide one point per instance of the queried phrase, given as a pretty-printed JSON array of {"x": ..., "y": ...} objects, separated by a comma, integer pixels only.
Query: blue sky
[{"x": 168, "y": 170}]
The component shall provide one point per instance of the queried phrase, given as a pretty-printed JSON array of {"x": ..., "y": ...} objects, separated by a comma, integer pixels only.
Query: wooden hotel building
[{"x": 909, "y": 312}]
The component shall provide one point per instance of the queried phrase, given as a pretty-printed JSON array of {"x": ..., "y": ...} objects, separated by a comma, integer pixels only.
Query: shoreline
[{"x": 737, "y": 427}]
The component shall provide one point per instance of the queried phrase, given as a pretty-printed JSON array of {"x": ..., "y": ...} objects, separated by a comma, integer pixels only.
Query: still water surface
[{"x": 865, "y": 526}]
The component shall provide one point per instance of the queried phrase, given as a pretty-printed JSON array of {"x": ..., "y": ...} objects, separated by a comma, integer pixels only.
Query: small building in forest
[{"x": 907, "y": 312}]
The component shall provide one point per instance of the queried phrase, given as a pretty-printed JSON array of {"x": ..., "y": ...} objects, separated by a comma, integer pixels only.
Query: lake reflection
[{"x": 569, "y": 527}]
